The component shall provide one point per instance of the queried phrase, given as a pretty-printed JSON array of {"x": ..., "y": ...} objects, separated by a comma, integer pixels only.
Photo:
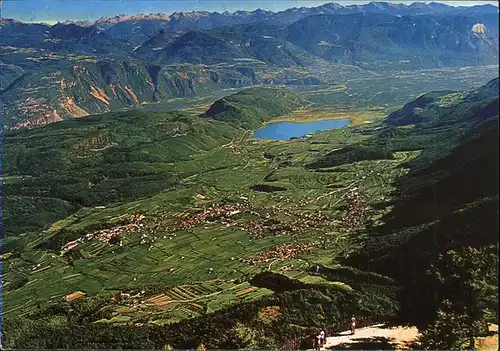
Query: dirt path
[
  {"x": 489, "y": 342},
  {"x": 377, "y": 335},
  {"x": 384, "y": 338}
]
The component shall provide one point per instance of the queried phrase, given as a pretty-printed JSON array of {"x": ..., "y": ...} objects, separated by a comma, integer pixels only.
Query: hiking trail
[{"x": 379, "y": 335}]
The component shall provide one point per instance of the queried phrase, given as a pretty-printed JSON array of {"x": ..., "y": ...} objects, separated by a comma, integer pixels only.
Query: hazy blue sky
[{"x": 59, "y": 10}]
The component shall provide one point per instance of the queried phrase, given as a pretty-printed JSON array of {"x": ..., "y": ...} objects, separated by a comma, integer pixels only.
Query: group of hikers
[{"x": 320, "y": 339}]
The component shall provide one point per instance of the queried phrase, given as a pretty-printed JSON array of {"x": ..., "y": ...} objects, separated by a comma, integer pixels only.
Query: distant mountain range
[
  {"x": 73, "y": 69},
  {"x": 423, "y": 41},
  {"x": 361, "y": 39},
  {"x": 207, "y": 20},
  {"x": 138, "y": 28}
]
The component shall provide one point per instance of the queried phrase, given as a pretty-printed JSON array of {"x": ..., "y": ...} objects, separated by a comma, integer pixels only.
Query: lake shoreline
[{"x": 288, "y": 130}]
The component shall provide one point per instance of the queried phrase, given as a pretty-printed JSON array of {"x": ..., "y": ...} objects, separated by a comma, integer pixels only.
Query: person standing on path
[
  {"x": 322, "y": 334},
  {"x": 353, "y": 325},
  {"x": 318, "y": 341}
]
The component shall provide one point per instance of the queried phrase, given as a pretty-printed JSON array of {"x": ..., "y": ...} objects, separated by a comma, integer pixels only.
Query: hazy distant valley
[{"x": 68, "y": 70}]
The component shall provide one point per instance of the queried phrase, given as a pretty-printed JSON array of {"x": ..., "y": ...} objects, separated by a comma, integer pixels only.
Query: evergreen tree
[{"x": 467, "y": 289}]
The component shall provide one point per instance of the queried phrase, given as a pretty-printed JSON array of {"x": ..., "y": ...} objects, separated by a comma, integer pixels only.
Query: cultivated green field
[
  {"x": 159, "y": 256},
  {"x": 171, "y": 258}
]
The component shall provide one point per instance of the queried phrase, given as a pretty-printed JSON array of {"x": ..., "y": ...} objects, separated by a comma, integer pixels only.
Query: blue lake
[{"x": 288, "y": 130}]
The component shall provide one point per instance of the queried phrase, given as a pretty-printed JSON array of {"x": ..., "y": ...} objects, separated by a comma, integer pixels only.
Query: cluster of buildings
[
  {"x": 286, "y": 251},
  {"x": 106, "y": 235}
]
